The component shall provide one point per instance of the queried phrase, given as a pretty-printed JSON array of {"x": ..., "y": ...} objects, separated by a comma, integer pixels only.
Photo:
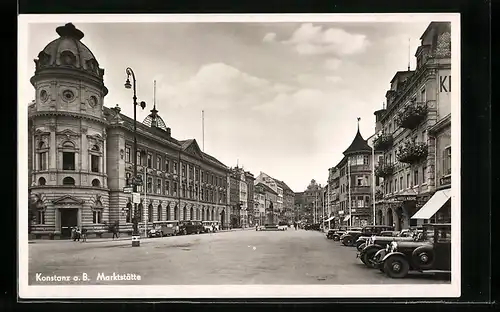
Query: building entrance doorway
[
  {"x": 69, "y": 219},
  {"x": 222, "y": 219}
]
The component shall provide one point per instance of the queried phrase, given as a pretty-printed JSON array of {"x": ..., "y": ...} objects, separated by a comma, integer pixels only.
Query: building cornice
[
  {"x": 440, "y": 125},
  {"x": 68, "y": 114}
]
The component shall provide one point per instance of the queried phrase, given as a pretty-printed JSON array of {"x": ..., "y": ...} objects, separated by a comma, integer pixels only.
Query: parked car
[
  {"x": 210, "y": 226},
  {"x": 337, "y": 233},
  {"x": 360, "y": 242},
  {"x": 164, "y": 228},
  {"x": 191, "y": 227},
  {"x": 351, "y": 237},
  {"x": 432, "y": 253},
  {"x": 282, "y": 226},
  {"x": 376, "y": 244}
]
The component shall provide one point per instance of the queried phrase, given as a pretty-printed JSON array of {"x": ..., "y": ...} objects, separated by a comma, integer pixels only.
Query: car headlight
[{"x": 394, "y": 246}]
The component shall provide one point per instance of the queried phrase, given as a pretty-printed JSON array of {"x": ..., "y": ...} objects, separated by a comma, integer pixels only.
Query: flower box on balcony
[
  {"x": 384, "y": 170},
  {"x": 412, "y": 152},
  {"x": 412, "y": 115},
  {"x": 383, "y": 142}
]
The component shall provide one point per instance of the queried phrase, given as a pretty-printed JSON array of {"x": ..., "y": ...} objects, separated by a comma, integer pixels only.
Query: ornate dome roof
[
  {"x": 358, "y": 144},
  {"x": 68, "y": 51},
  {"x": 154, "y": 120}
]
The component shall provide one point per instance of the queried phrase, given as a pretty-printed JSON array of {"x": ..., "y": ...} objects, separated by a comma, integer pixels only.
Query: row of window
[
  {"x": 69, "y": 181},
  {"x": 68, "y": 161},
  {"x": 195, "y": 214},
  {"x": 171, "y": 188},
  {"x": 356, "y": 202},
  {"x": 399, "y": 185},
  {"x": 389, "y": 125},
  {"x": 171, "y": 166}
]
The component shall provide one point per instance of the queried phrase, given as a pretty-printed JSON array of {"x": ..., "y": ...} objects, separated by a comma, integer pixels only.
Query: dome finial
[
  {"x": 69, "y": 30},
  {"x": 359, "y": 118}
]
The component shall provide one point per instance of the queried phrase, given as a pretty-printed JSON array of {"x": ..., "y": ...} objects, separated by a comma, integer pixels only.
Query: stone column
[{"x": 52, "y": 149}]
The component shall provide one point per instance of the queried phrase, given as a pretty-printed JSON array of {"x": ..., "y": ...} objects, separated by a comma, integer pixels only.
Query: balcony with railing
[
  {"x": 383, "y": 142},
  {"x": 412, "y": 152},
  {"x": 411, "y": 115},
  {"x": 384, "y": 170}
]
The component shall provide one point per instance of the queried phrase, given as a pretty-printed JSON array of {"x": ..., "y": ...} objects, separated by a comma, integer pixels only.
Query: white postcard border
[{"x": 236, "y": 291}]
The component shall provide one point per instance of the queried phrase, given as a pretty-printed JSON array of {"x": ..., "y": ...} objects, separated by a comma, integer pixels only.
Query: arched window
[
  {"x": 42, "y": 156},
  {"x": 158, "y": 213},
  {"x": 68, "y": 181},
  {"x": 176, "y": 213},
  {"x": 68, "y": 156},
  {"x": 129, "y": 213},
  {"x": 184, "y": 214},
  {"x": 212, "y": 215},
  {"x": 191, "y": 216},
  {"x": 41, "y": 181},
  {"x": 96, "y": 183},
  {"x": 168, "y": 212},
  {"x": 150, "y": 213}
]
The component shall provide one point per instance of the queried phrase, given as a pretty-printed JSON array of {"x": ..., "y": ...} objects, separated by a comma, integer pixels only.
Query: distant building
[
  {"x": 266, "y": 200},
  {"x": 241, "y": 197},
  {"x": 313, "y": 202},
  {"x": 285, "y": 199}
]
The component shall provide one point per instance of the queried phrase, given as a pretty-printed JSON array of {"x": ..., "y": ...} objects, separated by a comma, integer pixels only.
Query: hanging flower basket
[
  {"x": 384, "y": 170},
  {"x": 412, "y": 152},
  {"x": 412, "y": 115},
  {"x": 383, "y": 142}
]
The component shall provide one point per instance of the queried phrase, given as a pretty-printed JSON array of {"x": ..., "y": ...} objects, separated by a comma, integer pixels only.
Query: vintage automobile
[
  {"x": 360, "y": 243},
  {"x": 164, "y": 228},
  {"x": 349, "y": 238},
  {"x": 378, "y": 243},
  {"x": 336, "y": 233},
  {"x": 431, "y": 253},
  {"x": 210, "y": 226},
  {"x": 190, "y": 227}
]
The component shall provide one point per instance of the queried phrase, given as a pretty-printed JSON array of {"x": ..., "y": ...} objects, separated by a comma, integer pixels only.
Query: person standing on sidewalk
[{"x": 115, "y": 230}]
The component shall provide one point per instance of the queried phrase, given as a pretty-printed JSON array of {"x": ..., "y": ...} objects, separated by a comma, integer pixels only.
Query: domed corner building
[
  {"x": 359, "y": 155},
  {"x": 80, "y": 158}
]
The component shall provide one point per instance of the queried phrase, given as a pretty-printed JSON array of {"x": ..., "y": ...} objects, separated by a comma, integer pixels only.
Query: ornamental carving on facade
[{"x": 443, "y": 47}]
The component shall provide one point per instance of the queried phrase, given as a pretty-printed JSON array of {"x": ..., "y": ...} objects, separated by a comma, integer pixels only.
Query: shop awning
[
  {"x": 347, "y": 218},
  {"x": 433, "y": 205},
  {"x": 329, "y": 219}
]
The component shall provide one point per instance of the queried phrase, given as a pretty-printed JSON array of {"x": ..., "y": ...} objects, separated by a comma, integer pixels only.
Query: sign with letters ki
[{"x": 445, "y": 83}]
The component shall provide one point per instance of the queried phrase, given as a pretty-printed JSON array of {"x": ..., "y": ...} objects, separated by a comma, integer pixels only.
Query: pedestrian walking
[
  {"x": 78, "y": 233},
  {"x": 84, "y": 235},
  {"x": 115, "y": 230},
  {"x": 73, "y": 234}
]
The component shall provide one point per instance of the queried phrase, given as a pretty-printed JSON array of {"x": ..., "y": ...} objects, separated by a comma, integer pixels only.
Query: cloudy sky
[{"x": 281, "y": 98}]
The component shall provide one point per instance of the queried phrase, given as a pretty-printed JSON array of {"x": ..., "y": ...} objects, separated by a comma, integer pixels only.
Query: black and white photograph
[{"x": 239, "y": 156}]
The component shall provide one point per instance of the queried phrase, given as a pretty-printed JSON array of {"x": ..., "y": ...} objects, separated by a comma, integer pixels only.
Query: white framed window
[
  {"x": 97, "y": 216},
  {"x": 127, "y": 154},
  {"x": 447, "y": 160},
  {"x": 150, "y": 185},
  {"x": 158, "y": 186}
]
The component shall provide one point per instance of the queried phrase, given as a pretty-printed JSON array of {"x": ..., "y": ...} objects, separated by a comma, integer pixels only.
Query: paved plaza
[{"x": 236, "y": 257}]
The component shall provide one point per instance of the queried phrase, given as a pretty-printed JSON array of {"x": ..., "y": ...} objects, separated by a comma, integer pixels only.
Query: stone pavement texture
[{"x": 235, "y": 257}]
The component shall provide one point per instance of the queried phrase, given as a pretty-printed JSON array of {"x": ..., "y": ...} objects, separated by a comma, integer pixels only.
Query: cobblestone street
[{"x": 237, "y": 257}]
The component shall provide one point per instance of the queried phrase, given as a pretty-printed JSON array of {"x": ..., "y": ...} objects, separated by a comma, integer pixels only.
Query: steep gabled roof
[
  {"x": 358, "y": 145},
  {"x": 284, "y": 186}
]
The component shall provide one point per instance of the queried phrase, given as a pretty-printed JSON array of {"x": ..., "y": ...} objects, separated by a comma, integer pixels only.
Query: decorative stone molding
[{"x": 84, "y": 130}]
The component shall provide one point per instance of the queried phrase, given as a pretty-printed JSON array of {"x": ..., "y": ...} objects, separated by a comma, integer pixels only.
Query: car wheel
[
  {"x": 348, "y": 241},
  {"x": 396, "y": 266},
  {"x": 360, "y": 246},
  {"x": 368, "y": 258},
  {"x": 423, "y": 257},
  {"x": 335, "y": 238}
]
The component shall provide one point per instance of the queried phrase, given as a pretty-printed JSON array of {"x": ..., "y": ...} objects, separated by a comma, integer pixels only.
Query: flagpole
[
  {"x": 349, "y": 189},
  {"x": 373, "y": 181}
]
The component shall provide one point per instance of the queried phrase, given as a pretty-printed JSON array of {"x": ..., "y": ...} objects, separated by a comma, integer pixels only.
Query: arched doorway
[
  {"x": 168, "y": 212},
  {"x": 150, "y": 213},
  {"x": 184, "y": 213},
  {"x": 158, "y": 212},
  {"x": 176, "y": 213},
  {"x": 212, "y": 215},
  {"x": 191, "y": 214},
  {"x": 222, "y": 218},
  {"x": 380, "y": 217},
  {"x": 390, "y": 217}
]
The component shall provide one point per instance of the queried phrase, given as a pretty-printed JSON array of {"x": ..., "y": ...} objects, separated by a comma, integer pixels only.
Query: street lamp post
[{"x": 136, "y": 179}]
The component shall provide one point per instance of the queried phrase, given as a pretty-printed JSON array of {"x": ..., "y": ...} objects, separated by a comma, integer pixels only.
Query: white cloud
[
  {"x": 309, "y": 39},
  {"x": 334, "y": 79},
  {"x": 333, "y": 63},
  {"x": 269, "y": 37}
]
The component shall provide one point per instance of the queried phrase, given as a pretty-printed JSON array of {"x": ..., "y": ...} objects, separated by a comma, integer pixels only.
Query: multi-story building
[
  {"x": 265, "y": 199},
  {"x": 81, "y": 154},
  {"x": 300, "y": 207},
  {"x": 313, "y": 202},
  {"x": 241, "y": 197},
  {"x": 250, "y": 179},
  {"x": 333, "y": 203},
  {"x": 418, "y": 102},
  {"x": 285, "y": 198}
]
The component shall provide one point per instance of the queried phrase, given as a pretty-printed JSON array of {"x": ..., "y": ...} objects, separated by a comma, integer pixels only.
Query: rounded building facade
[{"x": 67, "y": 138}]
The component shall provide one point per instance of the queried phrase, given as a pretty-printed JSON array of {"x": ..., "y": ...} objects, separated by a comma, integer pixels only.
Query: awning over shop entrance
[
  {"x": 433, "y": 205},
  {"x": 329, "y": 219},
  {"x": 347, "y": 218}
]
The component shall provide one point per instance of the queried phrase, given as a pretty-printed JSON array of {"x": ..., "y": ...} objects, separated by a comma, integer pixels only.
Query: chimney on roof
[{"x": 169, "y": 132}]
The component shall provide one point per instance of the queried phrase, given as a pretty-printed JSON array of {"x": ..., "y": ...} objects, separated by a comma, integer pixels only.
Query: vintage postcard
[{"x": 239, "y": 156}]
